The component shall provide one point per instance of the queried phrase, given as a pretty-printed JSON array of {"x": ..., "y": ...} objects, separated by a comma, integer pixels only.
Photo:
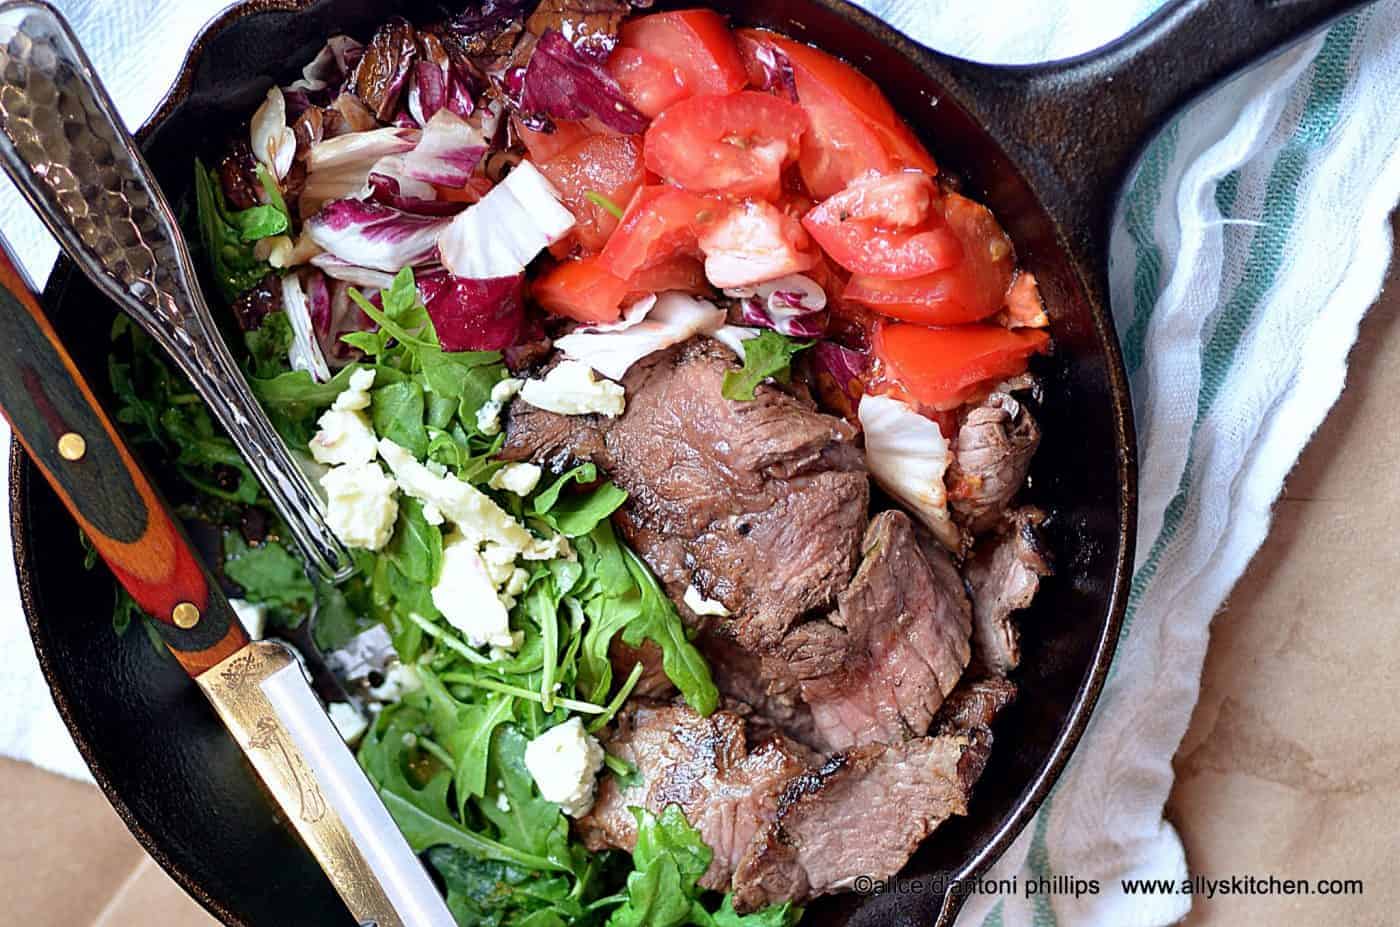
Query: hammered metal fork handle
[{"x": 64, "y": 146}]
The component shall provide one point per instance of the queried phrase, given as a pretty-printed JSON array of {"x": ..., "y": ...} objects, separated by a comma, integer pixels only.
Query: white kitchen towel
[{"x": 1245, "y": 254}]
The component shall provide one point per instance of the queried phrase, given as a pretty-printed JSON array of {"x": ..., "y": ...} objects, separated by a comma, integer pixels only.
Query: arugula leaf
[
  {"x": 274, "y": 193},
  {"x": 416, "y": 547},
  {"x": 268, "y": 345},
  {"x": 398, "y": 415},
  {"x": 224, "y": 235},
  {"x": 270, "y": 574},
  {"x": 577, "y": 515},
  {"x": 487, "y": 893},
  {"x": 423, "y": 831},
  {"x": 523, "y": 819},
  {"x": 658, "y": 622},
  {"x": 768, "y": 355},
  {"x": 782, "y": 915}
]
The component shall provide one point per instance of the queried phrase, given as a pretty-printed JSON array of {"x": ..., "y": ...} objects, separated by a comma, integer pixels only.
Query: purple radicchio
[
  {"x": 321, "y": 80},
  {"x": 794, "y": 306},
  {"x": 339, "y": 167},
  {"x": 376, "y": 236},
  {"x": 449, "y": 152},
  {"x": 305, "y": 352},
  {"x": 333, "y": 315},
  {"x": 839, "y": 375},
  {"x": 382, "y": 73},
  {"x": 391, "y": 189},
  {"x": 562, "y": 83},
  {"x": 776, "y": 70},
  {"x": 474, "y": 315},
  {"x": 441, "y": 79}
]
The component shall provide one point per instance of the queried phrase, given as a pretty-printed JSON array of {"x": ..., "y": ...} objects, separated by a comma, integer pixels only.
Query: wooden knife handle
[{"x": 76, "y": 446}]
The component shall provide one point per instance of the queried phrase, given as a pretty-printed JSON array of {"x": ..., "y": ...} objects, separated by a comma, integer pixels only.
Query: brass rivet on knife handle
[
  {"x": 186, "y": 615},
  {"x": 72, "y": 446},
  {"x": 234, "y": 687}
]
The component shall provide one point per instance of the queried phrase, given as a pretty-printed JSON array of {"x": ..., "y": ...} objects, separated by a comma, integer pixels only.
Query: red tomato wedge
[
  {"x": 606, "y": 165},
  {"x": 854, "y": 129},
  {"x": 660, "y": 223},
  {"x": 938, "y": 367},
  {"x": 582, "y": 290},
  {"x": 690, "y": 49},
  {"x": 886, "y": 226},
  {"x": 545, "y": 145},
  {"x": 969, "y": 291},
  {"x": 683, "y": 273},
  {"x": 736, "y": 145},
  {"x": 649, "y": 83}
]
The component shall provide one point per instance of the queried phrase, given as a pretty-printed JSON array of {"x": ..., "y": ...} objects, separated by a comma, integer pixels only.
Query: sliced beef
[
  {"x": 992, "y": 455},
  {"x": 862, "y": 813},
  {"x": 726, "y": 784},
  {"x": 766, "y": 684},
  {"x": 878, "y": 667},
  {"x": 974, "y": 705},
  {"x": 760, "y": 505},
  {"x": 1004, "y": 575}
]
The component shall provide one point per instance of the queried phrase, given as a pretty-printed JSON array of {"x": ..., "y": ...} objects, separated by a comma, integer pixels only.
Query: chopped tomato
[
  {"x": 1024, "y": 307},
  {"x": 582, "y": 290},
  {"x": 690, "y": 48},
  {"x": 683, "y": 273},
  {"x": 854, "y": 129},
  {"x": 545, "y": 145},
  {"x": 886, "y": 226},
  {"x": 609, "y": 166},
  {"x": 660, "y": 223},
  {"x": 649, "y": 83},
  {"x": 736, "y": 145},
  {"x": 754, "y": 242},
  {"x": 969, "y": 291},
  {"x": 940, "y": 367}
]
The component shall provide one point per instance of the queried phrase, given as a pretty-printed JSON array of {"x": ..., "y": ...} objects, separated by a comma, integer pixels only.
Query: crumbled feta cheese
[
  {"x": 565, "y": 762},
  {"x": 573, "y": 388},
  {"x": 348, "y": 721},
  {"x": 433, "y": 515},
  {"x": 467, "y": 598},
  {"x": 500, "y": 563},
  {"x": 361, "y": 505},
  {"x": 503, "y": 802},
  {"x": 252, "y": 616},
  {"x": 519, "y": 478},
  {"x": 702, "y": 606},
  {"x": 398, "y": 682},
  {"x": 474, "y": 513},
  {"x": 507, "y": 229},
  {"x": 488, "y": 417},
  {"x": 517, "y": 582},
  {"x": 356, "y": 396},
  {"x": 345, "y": 438}
]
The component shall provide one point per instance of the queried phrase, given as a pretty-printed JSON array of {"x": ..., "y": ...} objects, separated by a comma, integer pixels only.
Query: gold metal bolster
[{"x": 235, "y": 689}]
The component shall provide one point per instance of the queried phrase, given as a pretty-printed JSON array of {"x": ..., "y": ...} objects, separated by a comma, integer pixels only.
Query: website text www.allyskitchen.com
[{"x": 1194, "y": 886}]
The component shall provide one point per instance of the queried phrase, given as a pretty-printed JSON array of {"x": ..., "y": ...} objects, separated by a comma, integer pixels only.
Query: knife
[{"x": 258, "y": 688}]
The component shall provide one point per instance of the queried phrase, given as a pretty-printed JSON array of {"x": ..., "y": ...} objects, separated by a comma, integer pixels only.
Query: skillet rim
[{"x": 1092, "y": 284}]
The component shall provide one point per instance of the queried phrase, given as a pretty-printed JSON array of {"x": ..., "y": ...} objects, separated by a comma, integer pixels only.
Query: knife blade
[{"x": 258, "y": 688}]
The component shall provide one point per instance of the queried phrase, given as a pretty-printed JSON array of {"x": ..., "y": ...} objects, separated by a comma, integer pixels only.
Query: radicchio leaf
[
  {"x": 325, "y": 76},
  {"x": 794, "y": 306},
  {"x": 334, "y": 315},
  {"x": 387, "y": 188},
  {"x": 675, "y": 318},
  {"x": 474, "y": 315},
  {"x": 273, "y": 142},
  {"x": 449, "y": 152},
  {"x": 775, "y": 71},
  {"x": 838, "y": 376},
  {"x": 305, "y": 352},
  {"x": 339, "y": 167},
  {"x": 376, "y": 236},
  {"x": 442, "y": 79},
  {"x": 561, "y": 82},
  {"x": 382, "y": 73}
]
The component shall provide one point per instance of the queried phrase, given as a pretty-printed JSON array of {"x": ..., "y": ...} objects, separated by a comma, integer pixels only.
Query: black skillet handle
[{"x": 1078, "y": 127}]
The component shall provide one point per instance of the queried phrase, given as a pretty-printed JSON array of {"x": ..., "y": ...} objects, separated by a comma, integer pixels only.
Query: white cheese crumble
[
  {"x": 361, "y": 505},
  {"x": 573, "y": 388},
  {"x": 565, "y": 762},
  {"x": 356, "y": 397},
  {"x": 467, "y": 597},
  {"x": 252, "y": 616},
  {"x": 474, "y": 513},
  {"x": 702, "y": 606},
  {"x": 488, "y": 417},
  {"x": 348, "y": 721},
  {"x": 398, "y": 682},
  {"x": 344, "y": 438},
  {"x": 519, "y": 478}
]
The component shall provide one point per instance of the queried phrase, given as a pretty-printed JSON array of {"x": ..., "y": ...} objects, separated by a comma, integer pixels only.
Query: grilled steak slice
[
  {"x": 862, "y": 813},
  {"x": 727, "y": 788},
  {"x": 974, "y": 705},
  {"x": 766, "y": 684},
  {"x": 760, "y": 505},
  {"x": 992, "y": 456},
  {"x": 1004, "y": 574},
  {"x": 876, "y": 669}
]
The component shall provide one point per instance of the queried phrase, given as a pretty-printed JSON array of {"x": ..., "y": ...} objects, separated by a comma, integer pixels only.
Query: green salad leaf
[
  {"x": 768, "y": 355},
  {"x": 227, "y": 236}
]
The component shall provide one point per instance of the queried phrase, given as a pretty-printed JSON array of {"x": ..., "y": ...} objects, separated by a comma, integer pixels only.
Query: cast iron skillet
[{"x": 1047, "y": 147}]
